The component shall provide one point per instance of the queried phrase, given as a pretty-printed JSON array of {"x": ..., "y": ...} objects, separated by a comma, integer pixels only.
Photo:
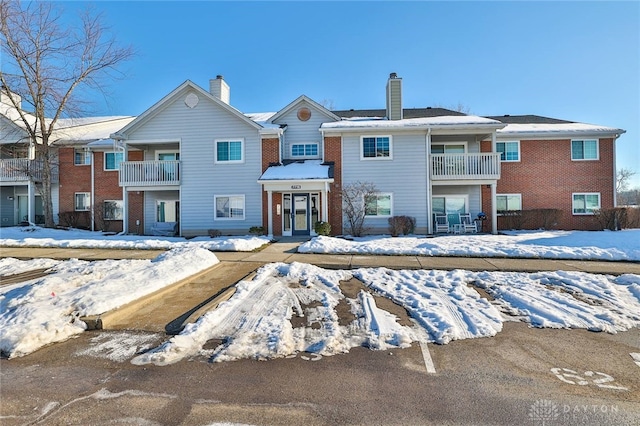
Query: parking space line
[
  {"x": 428, "y": 362},
  {"x": 636, "y": 358}
]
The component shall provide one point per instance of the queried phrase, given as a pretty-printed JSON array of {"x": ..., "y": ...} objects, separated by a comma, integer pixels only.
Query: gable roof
[
  {"x": 529, "y": 119},
  {"x": 164, "y": 102},
  {"x": 299, "y": 100}
]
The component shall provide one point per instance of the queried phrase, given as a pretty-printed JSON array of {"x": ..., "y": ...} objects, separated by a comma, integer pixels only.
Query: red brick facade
[
  {"x": 77, "y": 178},
  {"x": 547, "y": 178},
  {"x": 271, "y": 154},
  {"x": 333, "y": 152}
]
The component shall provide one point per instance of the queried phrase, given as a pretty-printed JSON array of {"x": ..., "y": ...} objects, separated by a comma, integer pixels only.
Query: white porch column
[
  {"x": 429, "y": 188},
  {"x": 125, "y": 210},
  {"x": 31, "y": 204},
  {"x": 325, "y": 203},
  {"x": 270, "y": 214},
  {"x": 493, "y": 141},
  {"x": 494, "y": 209}
]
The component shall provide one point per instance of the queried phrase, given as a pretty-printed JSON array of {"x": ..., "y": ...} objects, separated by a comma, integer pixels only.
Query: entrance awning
[{"x": 308, "y": 175}]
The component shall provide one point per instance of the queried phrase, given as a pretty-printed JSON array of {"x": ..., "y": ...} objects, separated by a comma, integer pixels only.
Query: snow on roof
[
  {"x": 89, "y": 128},
  {"x": 309, "y": 169},
  {"x": 260, "y": 117},
  {"x": 553, "y": 128},
  {"x": 446, "y": 120}
]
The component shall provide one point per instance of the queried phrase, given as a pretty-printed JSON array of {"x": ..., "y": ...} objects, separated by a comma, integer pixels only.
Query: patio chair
[
  {"x": 442, "y": 223},
  {"x": 467, "y": 224}
]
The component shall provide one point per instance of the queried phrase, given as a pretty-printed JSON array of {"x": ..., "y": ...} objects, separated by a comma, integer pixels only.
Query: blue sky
[{"x": 578, "y": 61}]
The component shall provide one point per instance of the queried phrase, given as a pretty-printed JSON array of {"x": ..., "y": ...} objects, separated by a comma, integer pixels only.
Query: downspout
[
  {"x": 93, "y": 187},
  {"x": 615, "y": 172},
  {"x": 429, "y": 189}
]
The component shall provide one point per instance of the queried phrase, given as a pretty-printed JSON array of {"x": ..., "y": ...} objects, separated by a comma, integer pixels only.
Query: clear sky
[{"x": 577, "y": 61}]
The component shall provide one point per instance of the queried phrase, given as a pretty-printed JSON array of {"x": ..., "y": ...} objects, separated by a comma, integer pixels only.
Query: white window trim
[
  {"x": 380, "y": 194},
  {"x": 104, "y": 160},
  {"x": 121, "y": 203},
  {"x": 215, "y": 151},
  {"x": 510, "y": 195},
  {"x": 362, "y": 157},
  {"x": 166, "y": 151},
  {"x": 585, "y": 194},
  {"x": 510, "y": 161},
  {"x": 465, "y": 144},
  {"x": 87, "y": 155},
  {"x": 304, "y": 156},
  {"x": 585, "y": 140},
  {"x": 75, "y": 204},
  {"x": 244, "y": 207}
]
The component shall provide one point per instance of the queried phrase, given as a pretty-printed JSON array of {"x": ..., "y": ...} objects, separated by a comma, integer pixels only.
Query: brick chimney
[
  {"x": 394, "y": 97},
  {"x": 220, "y": 89}
]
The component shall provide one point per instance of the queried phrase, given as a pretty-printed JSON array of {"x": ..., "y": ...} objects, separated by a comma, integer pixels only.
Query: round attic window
[
  {"x": 191, "y": 100},
  {"x": 304, "y": 114}
]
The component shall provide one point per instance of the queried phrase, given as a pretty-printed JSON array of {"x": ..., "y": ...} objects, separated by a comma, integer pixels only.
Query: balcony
[
  {"x": 24, "y": 170},
  {"x": 149, "y": 173},
  {"x": 465, "y": 167}
]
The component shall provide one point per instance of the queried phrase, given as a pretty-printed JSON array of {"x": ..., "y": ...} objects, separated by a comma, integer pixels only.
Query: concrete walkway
[{"x": 285, "y": 250}]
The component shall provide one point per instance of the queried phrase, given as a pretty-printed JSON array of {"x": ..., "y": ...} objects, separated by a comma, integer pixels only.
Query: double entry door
[{"x": 300, "y": 213}]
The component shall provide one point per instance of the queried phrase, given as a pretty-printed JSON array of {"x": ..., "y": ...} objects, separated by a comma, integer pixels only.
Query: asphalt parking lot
[{"x": 520, "y": 376}]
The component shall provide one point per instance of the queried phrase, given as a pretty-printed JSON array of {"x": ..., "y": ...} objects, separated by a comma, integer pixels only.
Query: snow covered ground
[
  {"x": 292, "y": 308},
  {"x": 34, "y": 236},
  {"x": 584, "y": 245}
]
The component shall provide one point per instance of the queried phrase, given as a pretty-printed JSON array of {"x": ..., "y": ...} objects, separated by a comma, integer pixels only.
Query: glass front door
[{"x": 299, "y": 212}]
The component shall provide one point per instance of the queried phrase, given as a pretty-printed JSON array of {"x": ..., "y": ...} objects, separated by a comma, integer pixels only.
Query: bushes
[
  {"x": 618, "y": 218},
  {"x": 256, "y": 230},
  {"x": 322, "y": 228},
  {"x": 74, "y": 219},
  {"x": 402, "y": 225},
  {"x": 529, "y": 219}
]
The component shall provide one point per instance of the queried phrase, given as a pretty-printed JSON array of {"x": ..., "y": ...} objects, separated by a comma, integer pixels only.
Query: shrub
[
  {"x": 213, "y": 233},
  {"x": 322, "y": 228},
  {"x": 529, "y": 219},
  {"x": 74, "y": 219},
  {"x": 402, "y": 225},
  {"x": 256, "y": 230},
  {"x": 618, "y": 218}
]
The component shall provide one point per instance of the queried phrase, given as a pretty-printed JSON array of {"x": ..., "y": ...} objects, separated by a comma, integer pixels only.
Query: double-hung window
[
  {"x": 229, "y": 151},
  {"x": 81, "y": 157},
  {"x": 509, "y": 151},
  {"x": 378, "y": 147},
  {"x": 229, "y": 207},
  {"x": 584, "y": 149},
  {"x": 113, "y": 209},
  {"x": 586, "y": 203},
  {"x": 377, "y": 205},
  {"x": 508, "y": 202},
  {"x": 304, "y": 150},
  {"x": 112, "y": 160},
  {"x": 82, "y": 201}
]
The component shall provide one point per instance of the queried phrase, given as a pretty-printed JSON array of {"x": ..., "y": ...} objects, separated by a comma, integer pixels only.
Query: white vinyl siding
[
  {"x": 584, "y": 150},
  {"x": 200, "y": 177},
  {"x": 586, "y": 203}
]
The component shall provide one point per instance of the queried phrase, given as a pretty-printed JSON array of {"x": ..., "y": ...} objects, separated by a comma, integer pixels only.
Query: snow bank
[
  {"x": 46, "y": 310},
  {"x": 586, "y": 245},
  {"x": 34, "y": 236}
]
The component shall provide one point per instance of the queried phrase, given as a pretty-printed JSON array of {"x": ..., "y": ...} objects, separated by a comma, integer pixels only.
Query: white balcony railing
[
  {"x": 480, "y": 166},
  {"x": 24, "y": 169},
  {"x": 149, "y": 173}
]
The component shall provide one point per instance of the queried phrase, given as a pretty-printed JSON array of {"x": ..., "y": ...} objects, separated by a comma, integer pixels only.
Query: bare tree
[
  {"x": 622, "y": 179},
  {"x": 50, "y": 66},
  {"x": 354, "y": 196}
]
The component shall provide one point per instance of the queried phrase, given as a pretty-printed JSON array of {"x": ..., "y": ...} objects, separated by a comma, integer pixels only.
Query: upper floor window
[
  {"x": 112, "y": 160},
  {"x": 508, "y": 202},
  {"x": 448, "y": 148},
  {"x": 229, "y": 151},
  {"x": 509, "y": 151},
  {"x": 376, "y": 147},
  {"x": 586, "y": 203},
  {"x": 81, "y": 157},
  {"x": 377, "y": 205},
  {"x": 82, "y": 201},
  {"x": 304, "y": 150},
  {"x": 113, "y": 209},
  {"x": 584, "y": 149},
  {"x": 229, "y": 207}
]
